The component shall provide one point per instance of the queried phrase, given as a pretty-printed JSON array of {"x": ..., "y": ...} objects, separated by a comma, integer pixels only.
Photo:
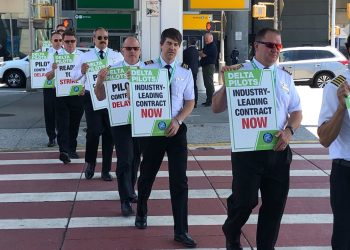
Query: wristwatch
[
  {"x": 178, "y": 121},
  {"x": 291, "y": 129}
]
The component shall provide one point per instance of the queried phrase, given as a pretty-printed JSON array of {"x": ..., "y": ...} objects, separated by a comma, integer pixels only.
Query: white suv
[{"x": 313, "y": 66}]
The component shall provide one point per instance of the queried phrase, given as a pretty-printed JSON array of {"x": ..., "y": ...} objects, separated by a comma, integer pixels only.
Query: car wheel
[
  {"x": 321, "y": 79},
  {"x": 15, "y": 78}
]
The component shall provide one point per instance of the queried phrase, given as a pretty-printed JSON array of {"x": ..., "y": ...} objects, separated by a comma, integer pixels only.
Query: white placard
[
  {"x": 38, "y": 64},
  {"x": 65, "y": 85},
  {"x": 94, "y": 68},
  {"x": 150, "y": 102},
  {"x": 252, "y": 109}
]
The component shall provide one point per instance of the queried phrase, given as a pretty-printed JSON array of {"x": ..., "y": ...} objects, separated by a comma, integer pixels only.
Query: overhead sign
[
  {"x": 219, "y": 5},
  {"x": 196, "y": 21},
  {"x": 13, "y": 6},
  {"x": 107, "y": 4},
  {"x": 108, "y": 21}
]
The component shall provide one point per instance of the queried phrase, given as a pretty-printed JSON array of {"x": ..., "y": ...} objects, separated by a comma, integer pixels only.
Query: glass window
[
  {"x": 287, "y": 56},
  {"x": 324, "y": 54},
  {"x": 305, "y": 55}
]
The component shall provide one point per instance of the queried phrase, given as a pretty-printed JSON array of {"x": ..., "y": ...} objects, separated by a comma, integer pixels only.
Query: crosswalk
[{"x": 47, "y": 205}]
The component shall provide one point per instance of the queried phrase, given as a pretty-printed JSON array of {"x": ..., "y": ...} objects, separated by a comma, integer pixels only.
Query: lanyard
[
  {"x": 98, "y": 56},
  {"x": 172, "y": 70},
  {"x": 273, "y": 71}
]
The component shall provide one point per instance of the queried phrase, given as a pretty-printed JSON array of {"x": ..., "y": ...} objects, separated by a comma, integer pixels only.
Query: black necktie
[
  {"x": 168, "y": 67},
  {"x": 266, "y": 68},
  {"x": 101, "y": 54},
  {"x": 56, "y": 52}
]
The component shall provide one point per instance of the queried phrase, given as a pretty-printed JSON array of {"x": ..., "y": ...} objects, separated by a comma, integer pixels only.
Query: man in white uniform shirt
[
  {"x": 266, "y": 170},
  {"x": 127, "y": 148},
  {"x": 174, "y": 144},
  {"x": 97, "y": 121},
  {"x": 69, "y": 109},
  {"x": 334, "y": 133}
]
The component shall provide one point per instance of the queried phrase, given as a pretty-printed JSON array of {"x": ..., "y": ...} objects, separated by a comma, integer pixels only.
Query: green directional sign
[
  {"x": 106, "y": 4},
  {"x": 108, "y": 21}
]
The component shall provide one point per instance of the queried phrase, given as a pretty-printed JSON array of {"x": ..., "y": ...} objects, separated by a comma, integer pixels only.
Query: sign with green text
[
  {"x": 150, "y": 102},
  {"x": 251, "y": 105},
  {"x": 39, "y": 61},
  {"x": 91, "y": 77}
]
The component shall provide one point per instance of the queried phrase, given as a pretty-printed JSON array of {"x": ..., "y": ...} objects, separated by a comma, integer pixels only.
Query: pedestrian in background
[
  {"x": 127, "y": 148},
  {"x": 50, "y": 93},
  {"x": 69, "y": 109},
  {"x": 334, "y": 133},
  {"x": 4, "y": 53},
  {"x": 267, "y": 171},
  {"x": 208, "y": 60},
  {"x": 191, "y": 58},
  {"x": 234, "y": 56},
  {"x": 174, "y": 144},
  {"x": 97, "y": 121}
]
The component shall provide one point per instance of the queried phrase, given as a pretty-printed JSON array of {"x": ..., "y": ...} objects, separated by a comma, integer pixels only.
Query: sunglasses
[
  {"x": 269, "y": 45},
  {"x": 102, "y": 37},
  {"x": 69, "y": 41},
  {"x": 132, "y": 48},
  {"x": 60, "y": 31},
  {"x": 57, "y": 40}
]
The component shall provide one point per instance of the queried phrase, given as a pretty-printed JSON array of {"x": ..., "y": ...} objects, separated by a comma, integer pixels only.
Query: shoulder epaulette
[
  {"x": 149, "y": 62},
  {"x": 236, "y": 66},
  {"x": 185, "y": 66},
  {"x": 339, "y": 80},
  {"x": 284, "y": 69}
]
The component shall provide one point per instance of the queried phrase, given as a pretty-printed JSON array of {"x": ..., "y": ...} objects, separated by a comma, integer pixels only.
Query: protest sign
[
  {"x": 65, "y": 85},
  {"x": 91, "y": 74},
  {"x": 116, "y": 85},
  {"x": 38, "y": 64},
  {"x": 150, "y": 102},
  {"x": 252, "y": 109}
]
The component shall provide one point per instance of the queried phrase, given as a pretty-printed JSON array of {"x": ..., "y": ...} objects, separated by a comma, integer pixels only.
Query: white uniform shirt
[
  {"x": 340, "y": 147},
  {"x": 124, "y": 63},
  {"x": 182, "y": 88},
  {"x": 287, "y": 98},
  {"x": 94, "y": 55},
  {"x": 76, "y": 52}
]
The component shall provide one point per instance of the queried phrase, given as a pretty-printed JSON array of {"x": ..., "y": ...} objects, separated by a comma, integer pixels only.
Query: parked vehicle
[
  {"x": 313, "y": 66},
  {"x": 15, "y": 72}
]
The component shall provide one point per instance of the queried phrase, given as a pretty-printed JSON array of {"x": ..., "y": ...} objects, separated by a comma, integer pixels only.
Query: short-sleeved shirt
[
  {"x": 93, "y": 55},
  {"x": 181, "y": 85},
  {"x": 287, "y": 97},
  {"x": 340, "y": 147}
]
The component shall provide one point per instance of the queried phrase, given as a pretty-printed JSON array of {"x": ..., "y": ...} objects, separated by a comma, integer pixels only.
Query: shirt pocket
[{"x": 178, "y": 88}]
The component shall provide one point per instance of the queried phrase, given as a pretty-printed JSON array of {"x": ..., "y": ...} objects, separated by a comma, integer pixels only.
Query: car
[
  {"x": 15, "y": 72},
  {"x": 313, "y": 66}
]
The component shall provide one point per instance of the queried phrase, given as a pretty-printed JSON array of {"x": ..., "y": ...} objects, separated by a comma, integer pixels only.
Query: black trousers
[
  {"x": 340, "y": 203},
  {"x": 153, "y": 150},
  {"x": 269, "y": 172},
  {"x": 128, "y": 160},
  {"x": 49, "y": 112},
  {"x": 208, "y": 78},
  {"x": 97, "y": 124},
  {"x": 194, "y": 75},
  {"x": 69, "y": 110}
]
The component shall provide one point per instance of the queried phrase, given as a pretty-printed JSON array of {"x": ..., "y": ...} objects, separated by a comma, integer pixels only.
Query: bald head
[{"x": 131, "y": 50}]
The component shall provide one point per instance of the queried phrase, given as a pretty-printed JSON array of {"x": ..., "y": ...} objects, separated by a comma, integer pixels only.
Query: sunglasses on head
[
  {"x": 102, "y": 37},
  {"x": 57, "y": 40},
  {"x": 69, "y": 41},
  {"x": 269, "y": 45},
  {"x": 132, "y": 48}
]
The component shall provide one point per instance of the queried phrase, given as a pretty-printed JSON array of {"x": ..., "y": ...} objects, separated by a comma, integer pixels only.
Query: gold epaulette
[
  {"x": 149, "y": 62},
  {"x": 284, "y": 69},
  {"x": 339, "y": 80},
  {"x": 236, "y": 66},
  {"x": 185, "y": 66}
]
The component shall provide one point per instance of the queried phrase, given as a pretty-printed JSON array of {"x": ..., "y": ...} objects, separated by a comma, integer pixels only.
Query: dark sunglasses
[
  {"x": 60, "y": 31},
  {"x": 69, "y": 41},
  {"x": 57, "y": 40},
  {"x": 132, "y": 48},
  {"x": 102, "y": 37},
  {"x": 269, "y": 45}
]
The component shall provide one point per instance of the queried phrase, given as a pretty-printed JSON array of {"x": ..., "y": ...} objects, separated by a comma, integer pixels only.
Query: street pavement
[{"x": 48, "y": 205}]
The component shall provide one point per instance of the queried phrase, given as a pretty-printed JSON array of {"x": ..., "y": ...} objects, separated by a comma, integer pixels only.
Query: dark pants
[
  {"x": 208, "y": 78},
  {"x": 340, "y": 203},
  {"x": 269, "y": 172},
  {"x": 194, "y": 75},
  {"x": 128, "y": 160},
  {"x": 69, "y": 110},
  {"x": 97, "y": 124},
  {"x": 49, "y": 112},
  {"x": 153, "y": 150}
]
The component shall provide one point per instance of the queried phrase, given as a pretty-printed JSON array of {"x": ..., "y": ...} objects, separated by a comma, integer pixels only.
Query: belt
[{"x": 342, "y": 162}]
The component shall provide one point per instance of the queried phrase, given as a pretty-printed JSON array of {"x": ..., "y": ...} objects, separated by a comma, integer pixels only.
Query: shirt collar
[
  {"x": 98, "y": 50},
  {"x": 260, "y": 66},
  {"x": 163, "y": 63},
  {"x": 136, "y": 64}
]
